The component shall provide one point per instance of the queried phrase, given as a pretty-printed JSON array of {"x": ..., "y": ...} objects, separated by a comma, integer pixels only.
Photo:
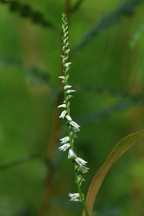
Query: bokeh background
[{"x": 107, "y": 51}]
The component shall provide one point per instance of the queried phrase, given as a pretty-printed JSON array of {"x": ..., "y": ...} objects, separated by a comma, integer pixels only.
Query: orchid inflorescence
[{"x": 68, "y": 141}]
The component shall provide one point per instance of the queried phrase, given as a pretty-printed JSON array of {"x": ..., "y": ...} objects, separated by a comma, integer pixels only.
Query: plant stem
[
  {"x": 81, "y": 194},
  {"x": 71, "y": 129}
]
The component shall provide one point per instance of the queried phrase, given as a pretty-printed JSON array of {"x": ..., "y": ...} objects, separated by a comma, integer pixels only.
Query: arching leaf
[{"x": 120, "y": 148}]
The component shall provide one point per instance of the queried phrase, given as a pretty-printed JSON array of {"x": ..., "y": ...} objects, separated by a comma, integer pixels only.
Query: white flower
[
  {"x": 62, "y": 115},
  {"x": 68, "y": 118},
  {"x": 65, "y": 40},
  {"x": 64, "y": 59},
  {"x": 74, "y": 197},
  {"x": 64, "y": 140},
  {"x": 67, "y": 64},
  {"x": 70, "y": 90},
  {"x": 67, "y": 69},
  {"x": 83, "y": 169},
  {"x": 64, "y": 147},
  {"x": 67, "y": 86},
  {"x": 62, "y": 106},
  {"x": 71, "y": 154},
  {"x": 80, "y": 161},
  {"x": 75, "y": 125},
  {"x": 61, "y": 77},
  {"x": 67, "y": 51}
]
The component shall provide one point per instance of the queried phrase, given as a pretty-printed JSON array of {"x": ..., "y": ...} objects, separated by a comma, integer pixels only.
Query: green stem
[
  {"x": 81, "y": 194},
  {"x": 71, "y": 132}
]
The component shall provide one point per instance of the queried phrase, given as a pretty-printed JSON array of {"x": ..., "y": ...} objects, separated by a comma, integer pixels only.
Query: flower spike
[{"x": 69, "y": 140}]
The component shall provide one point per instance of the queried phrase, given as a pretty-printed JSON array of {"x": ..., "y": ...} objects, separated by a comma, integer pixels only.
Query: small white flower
[
  {"x": 74, "y": 197},
  {"x": 67, "y": 51},
  {"x": 67, "y": 87},
  {"x": 63, "y": 48},
  {"x": 68, "y": 118},
  {"x": 64, "y": 147},
  {"x": 80, "y": 161},
  {"x": 61, "y": 77},
  {"x": 66, "y": 34},
  {"x": 65, "y": 40},
  {"x": 64, "y": 140},
  {"x": 62, "y": 106},
  {"x": 74, "y": 124},
  {"x": 67, "y": 69},
  {"x": 83, "y": 169},
  {"x": 67, "y": 44},
  {"x": 71, "y": 154},
  {"x": 70, "y": 90},
  {"x": 62, "y": 115},
  {"x": 64, "y": 59},
  {"x": 67, "y": 64}
]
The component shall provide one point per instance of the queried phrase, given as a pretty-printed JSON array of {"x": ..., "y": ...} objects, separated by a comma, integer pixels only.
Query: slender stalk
[
  {"x": 81, "y": 195},
  {"x": 76, "y": 179},
  {"x": 68, "y": 141}
]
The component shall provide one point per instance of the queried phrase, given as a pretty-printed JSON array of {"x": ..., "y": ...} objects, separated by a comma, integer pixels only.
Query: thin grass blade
[{"x": 120, "y": 148}]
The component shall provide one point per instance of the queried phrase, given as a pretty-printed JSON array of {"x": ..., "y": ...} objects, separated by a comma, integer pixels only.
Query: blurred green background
[{"x": 107, "y": 71}]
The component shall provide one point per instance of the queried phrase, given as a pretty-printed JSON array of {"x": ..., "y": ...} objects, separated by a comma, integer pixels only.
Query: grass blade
[
  {"x": 120, "y": 148},
  {"x": 26, "y": 11},
  {"x": 120, "y": 106},
  {"x": 124, "y": 9}
]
